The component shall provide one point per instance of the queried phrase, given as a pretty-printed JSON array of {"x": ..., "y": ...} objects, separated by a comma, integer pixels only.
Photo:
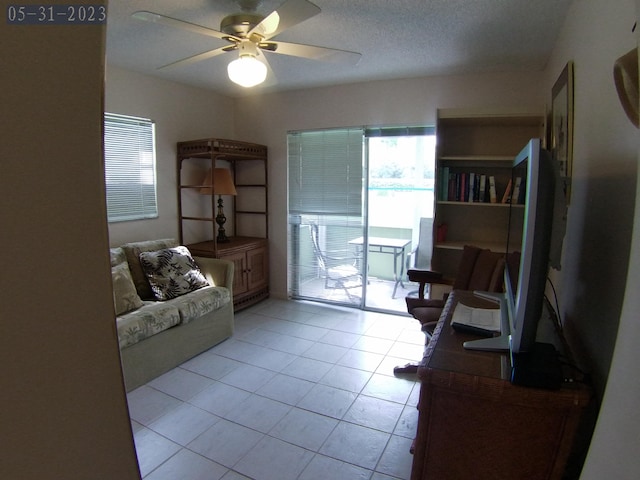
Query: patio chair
[{"x": 340, "y": 268}]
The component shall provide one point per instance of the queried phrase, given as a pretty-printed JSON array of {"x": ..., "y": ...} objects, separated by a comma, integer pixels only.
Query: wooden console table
[{"x": 473, "y": 423}]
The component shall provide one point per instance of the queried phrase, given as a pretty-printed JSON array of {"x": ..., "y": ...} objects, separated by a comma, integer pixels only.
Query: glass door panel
[
  {"x": 400, "y": 193},
  {"x": 329, "y": 266}
]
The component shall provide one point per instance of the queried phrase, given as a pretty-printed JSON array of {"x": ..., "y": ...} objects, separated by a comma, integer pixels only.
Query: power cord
[{"x": 565, "y": 358}]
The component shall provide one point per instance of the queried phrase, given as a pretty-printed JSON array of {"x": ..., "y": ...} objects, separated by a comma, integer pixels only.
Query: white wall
[
  {"x": 600, "y": 221},
  {"x": 267, "y": 118},
  {"x": 181, "y": 113},
  {"x": 601, "y": 274}
]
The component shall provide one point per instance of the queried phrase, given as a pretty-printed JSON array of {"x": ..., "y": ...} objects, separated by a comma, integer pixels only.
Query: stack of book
[{"x": 475, "y": 187}]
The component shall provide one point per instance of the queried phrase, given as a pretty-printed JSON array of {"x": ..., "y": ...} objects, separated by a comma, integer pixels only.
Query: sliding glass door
[{"x": 356, "y": 199}]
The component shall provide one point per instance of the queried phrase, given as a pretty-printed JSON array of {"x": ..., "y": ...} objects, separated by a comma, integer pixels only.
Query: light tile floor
[{"x": 301, "y": 391}]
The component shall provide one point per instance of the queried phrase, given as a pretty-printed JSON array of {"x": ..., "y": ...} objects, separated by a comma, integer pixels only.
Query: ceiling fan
[{"x": 250, "y": 34}]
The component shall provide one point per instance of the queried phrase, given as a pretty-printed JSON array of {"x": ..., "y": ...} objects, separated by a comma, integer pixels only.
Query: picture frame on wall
[{"x": 561, "y": 138}]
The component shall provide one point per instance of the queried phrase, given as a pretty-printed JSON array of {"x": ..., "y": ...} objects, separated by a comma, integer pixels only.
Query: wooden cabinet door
[
  {"x": 239, "y": 260},
  {"x": 258, "y": 268}
]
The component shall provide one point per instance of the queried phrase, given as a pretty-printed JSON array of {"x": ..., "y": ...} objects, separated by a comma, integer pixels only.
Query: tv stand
[{"x": 474, "y": 423}]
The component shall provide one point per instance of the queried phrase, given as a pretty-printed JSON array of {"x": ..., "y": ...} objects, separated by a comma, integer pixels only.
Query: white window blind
[
  {"x": 326, "y": 172},
  {"x": 130, "y": 168}
]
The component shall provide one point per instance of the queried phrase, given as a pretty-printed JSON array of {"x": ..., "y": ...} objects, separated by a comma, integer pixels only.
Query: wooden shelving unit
[
  {"x": 483, "y": 143},
  {"x": 247, "y": 213}
]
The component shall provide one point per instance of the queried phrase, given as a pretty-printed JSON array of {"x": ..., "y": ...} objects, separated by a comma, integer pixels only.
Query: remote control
[{"x": 462, "y": 328}]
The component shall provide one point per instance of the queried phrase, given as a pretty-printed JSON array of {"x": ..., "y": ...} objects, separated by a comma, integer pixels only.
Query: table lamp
[{"x": 222, "y": 185}]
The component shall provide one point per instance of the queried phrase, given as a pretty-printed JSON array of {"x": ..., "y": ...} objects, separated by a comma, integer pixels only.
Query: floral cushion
[
  {"x": 145, "y": 322},
  {"x": 125, "y": 296},
  {"x": 117, "y": 256},
  {"x": 200, "y": 302},
  {"x": 172, "y": 272},
  {"x": 132, "y": 253}
]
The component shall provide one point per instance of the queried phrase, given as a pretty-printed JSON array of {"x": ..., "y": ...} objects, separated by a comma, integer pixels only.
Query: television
[{"x": 531, "y": 219}]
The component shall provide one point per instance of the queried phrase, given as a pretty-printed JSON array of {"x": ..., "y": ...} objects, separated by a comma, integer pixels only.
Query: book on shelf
[
  {"x": 444, "y": 184},
  {"x": 462, "y": 188},
  {"x": 492, "y": 189},
  {"x": 468, "y": 187},
  {"x": 482, "y": 191},
  {"x": 506, "y": 198},
  {"x": 453, "y": 187},
  {"x": 523, "y": 187},
  {"x": 516, "y": 190}
]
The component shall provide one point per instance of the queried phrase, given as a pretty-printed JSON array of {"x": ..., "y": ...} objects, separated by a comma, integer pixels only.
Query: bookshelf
[
  {"x": 474, "y": 149},
  {"x": 247, "y": 213}
]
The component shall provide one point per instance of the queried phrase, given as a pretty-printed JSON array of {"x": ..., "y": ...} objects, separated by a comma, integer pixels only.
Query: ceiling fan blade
[
  {"x": 287, "y": 15},
  {"x": 199, "y": 57},
  {"x": 314, "y": 53},
  {"x": 174, "y": 22},
  {"x": 271, "y": 77}
]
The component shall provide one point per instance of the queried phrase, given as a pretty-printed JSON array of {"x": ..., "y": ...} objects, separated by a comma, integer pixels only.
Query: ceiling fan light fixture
[
  {"x": 249, "y": 34},
  {"x": 247, "y": 71}
]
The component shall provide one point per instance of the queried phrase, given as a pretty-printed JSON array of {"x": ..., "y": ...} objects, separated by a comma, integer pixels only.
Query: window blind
[
  {"x": 326, "y": 172},
  {"x": 130, "y": 170},
  {"x": 400, "y": 131}
]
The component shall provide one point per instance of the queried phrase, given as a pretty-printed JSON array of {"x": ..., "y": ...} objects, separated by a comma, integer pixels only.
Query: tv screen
[
  {"x": 533, "y": 170},
  {"x": 530, "y": 230}
]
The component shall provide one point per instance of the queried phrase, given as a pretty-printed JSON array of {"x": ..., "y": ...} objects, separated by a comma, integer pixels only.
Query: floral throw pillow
[
  {"x": 125, "y": 296},
  {"x": 172, "y": 272}
]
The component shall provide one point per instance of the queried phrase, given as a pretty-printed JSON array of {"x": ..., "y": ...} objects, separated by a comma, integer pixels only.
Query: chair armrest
[
  {"x": 336, "y": 257},
  {"x": 342, "y": 254},
  {"x": 426, "y": 276},
  {"x": 411, "y": 259},
  {"x": 218, "y": 272}
]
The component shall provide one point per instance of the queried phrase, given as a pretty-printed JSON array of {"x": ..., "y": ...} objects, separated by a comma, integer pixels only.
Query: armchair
[{"x": 479, "y": 269}]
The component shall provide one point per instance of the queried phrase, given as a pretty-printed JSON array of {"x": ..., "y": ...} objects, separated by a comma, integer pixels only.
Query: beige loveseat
[{"x": 159, "y": 324}]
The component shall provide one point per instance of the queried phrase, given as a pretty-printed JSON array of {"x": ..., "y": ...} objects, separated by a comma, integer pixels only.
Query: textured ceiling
[{"x": 397, "y": 39}]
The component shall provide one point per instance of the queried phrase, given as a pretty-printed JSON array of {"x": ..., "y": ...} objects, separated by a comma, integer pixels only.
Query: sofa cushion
[
  {"x": 117, "y": 256},
  {"x": 132, "y": 252},
  {"x": 172, "y": 272},
  {"x": 125, "y": 296},
  {"x": 151, "y": 318},
  {"x": 200, "y": 302}
]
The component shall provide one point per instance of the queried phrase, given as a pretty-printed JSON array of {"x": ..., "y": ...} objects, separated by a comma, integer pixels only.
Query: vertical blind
[{"x": 130, "y": 170}]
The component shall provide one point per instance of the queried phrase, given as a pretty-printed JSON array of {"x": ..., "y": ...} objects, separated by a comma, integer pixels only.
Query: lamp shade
[
  {"x": 222, "y": 183},
  {"x": 247, "y": 71}
]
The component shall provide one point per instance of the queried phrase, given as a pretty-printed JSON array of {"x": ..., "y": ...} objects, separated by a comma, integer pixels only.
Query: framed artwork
[{"x": 562, "y": 125}]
